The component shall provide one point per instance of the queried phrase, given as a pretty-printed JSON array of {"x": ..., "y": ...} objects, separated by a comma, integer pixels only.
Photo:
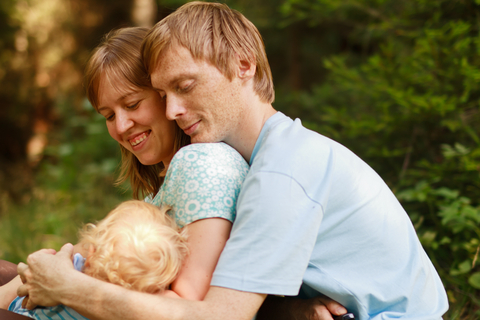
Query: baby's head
[{"x": 137, "y": 246}]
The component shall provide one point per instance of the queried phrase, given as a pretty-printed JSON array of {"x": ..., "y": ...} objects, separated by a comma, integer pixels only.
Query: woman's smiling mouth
[{"x": 135, "y": 141}]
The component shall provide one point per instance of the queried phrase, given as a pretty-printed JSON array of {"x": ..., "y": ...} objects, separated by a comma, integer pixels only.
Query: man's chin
[{"x": 197, "y": 138}]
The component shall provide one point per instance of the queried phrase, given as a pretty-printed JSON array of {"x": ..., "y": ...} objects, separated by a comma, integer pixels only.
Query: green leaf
[
  {"x": 474, "y": 280},
  {"x": 463, "y": 268},
  {"x": 447, "y": 193}
]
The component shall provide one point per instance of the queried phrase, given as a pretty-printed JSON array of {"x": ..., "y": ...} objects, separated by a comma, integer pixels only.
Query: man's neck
[{"x": 246, "y": 134}]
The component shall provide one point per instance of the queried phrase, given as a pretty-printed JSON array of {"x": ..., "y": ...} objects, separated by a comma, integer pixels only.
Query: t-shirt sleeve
[
  {"x": 203, "y": 181},
  {"x": 272, "y": 238}
]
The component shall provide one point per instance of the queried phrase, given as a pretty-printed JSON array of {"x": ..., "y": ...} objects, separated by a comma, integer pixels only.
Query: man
[{"x": 311, "y": 216}]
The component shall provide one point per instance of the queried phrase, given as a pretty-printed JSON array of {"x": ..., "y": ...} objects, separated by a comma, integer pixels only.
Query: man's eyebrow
[{"x": 178, "y": 78}]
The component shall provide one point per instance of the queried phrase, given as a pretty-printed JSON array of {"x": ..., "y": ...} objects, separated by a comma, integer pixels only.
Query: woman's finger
[{"x": 332, "y": 306}]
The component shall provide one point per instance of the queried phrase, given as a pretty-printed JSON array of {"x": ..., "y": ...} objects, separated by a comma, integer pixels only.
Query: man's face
[{"x": 205, "y": 104}]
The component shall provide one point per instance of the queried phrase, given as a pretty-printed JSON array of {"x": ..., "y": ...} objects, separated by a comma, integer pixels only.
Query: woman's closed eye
[{"x": 133, "y": 106}]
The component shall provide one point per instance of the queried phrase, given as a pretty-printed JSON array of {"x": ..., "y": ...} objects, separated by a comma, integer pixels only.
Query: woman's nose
[{"x": 124, "y": 122}]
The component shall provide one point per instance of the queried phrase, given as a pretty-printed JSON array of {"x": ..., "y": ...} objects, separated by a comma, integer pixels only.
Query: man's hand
[
  {"x": 45, "y": 278},
  {"x": 318, "y": 308}
]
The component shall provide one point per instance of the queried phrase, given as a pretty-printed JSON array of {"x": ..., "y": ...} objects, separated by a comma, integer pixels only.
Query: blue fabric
[
  {"x": 312, "y": 215},
  {"x": 59, "y": 312},
  {"x": 203, "y": 181}
]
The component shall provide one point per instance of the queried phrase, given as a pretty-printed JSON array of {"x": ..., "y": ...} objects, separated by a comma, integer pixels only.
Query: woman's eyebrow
[
  {"x": 125, "y": 96},
  {"x": 120, "y": 99}
]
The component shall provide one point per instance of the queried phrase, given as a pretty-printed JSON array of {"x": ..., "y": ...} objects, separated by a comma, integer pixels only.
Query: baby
[{"x": 137, "y": 246}]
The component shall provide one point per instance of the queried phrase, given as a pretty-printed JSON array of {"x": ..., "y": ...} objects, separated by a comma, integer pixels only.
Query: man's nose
[{"x": 175, "y": 107}]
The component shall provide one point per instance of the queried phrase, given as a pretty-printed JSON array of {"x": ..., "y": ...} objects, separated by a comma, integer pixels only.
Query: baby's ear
[
  {"x": 80, "y": 248},
  {"x": 91, "y": 251}
]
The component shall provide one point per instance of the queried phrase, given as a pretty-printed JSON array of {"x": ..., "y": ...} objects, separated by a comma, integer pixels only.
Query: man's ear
[{"x": 246, "y": 69}]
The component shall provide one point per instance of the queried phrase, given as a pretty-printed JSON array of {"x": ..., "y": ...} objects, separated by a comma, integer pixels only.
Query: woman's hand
[
  {"x": 46, "y": 276},
  {"x": 288, "y": 308}
]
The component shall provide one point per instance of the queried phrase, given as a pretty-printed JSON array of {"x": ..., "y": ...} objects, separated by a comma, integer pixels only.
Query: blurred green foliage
[
  {"x": 397, "y": 82},
  {"x": 74, "y": 185}
]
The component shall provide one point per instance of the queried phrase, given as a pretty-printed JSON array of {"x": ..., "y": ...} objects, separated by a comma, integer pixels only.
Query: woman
[{"x": 200, "y": 182}]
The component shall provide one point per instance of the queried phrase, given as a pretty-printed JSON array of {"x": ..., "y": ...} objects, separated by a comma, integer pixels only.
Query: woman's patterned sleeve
[{"x": 203, "y": 181}]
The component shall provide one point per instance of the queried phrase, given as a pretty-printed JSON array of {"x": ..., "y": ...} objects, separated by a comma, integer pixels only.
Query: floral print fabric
[{"x": 202, "y": 181}]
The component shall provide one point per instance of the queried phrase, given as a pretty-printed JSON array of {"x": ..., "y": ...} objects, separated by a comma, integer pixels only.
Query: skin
[
  {"x": 192, "y": 91},
  {"x": 208, "y": 106},
  {"x": 133, "y": 114},
  {"x": 8, "y": 292}
]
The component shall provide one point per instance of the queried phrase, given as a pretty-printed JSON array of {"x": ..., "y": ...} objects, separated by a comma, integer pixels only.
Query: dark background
[{"x": 395, "y": 81}]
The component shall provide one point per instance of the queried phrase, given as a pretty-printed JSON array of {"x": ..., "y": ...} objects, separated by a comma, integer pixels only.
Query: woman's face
[{"x": 136, "y": 119}]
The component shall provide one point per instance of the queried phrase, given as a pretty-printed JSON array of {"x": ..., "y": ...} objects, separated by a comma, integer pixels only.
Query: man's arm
[
  {"x": 219, "y": 304},
  {"x": 51, "y": 279}
]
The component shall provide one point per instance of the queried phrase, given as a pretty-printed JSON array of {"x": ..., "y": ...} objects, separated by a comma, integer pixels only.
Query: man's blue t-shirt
[{"x": 311, "y": 215}]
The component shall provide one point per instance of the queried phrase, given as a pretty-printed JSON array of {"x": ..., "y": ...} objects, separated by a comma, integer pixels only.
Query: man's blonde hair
[
  {"x": 118, "y": 60},
  {"x": 215, "y": 33},
  {"x": 137, "y": 246}
]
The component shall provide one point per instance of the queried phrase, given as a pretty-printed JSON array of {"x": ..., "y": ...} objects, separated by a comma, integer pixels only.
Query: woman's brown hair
[{"x": 118, "y": 58}]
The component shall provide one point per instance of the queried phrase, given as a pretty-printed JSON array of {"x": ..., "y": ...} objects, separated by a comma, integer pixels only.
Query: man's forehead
[{"x": 174, "y": 63}]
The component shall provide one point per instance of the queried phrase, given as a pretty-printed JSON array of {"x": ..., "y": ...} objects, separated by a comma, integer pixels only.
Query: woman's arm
[
  {"x": 201, "y": 185},
  {"x": 205, "y": 239}
]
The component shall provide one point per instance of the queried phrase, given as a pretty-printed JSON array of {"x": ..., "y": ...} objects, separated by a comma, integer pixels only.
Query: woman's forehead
[{"x": 117, "y": 84}]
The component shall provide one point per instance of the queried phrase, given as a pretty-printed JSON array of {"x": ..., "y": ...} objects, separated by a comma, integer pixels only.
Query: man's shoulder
[
  {"x": 288, "y": 133},
  {"x": 289, "y": 142}
]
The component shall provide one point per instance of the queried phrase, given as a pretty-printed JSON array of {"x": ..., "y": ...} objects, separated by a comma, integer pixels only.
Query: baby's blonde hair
[{"x": 137, "y": 246}]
